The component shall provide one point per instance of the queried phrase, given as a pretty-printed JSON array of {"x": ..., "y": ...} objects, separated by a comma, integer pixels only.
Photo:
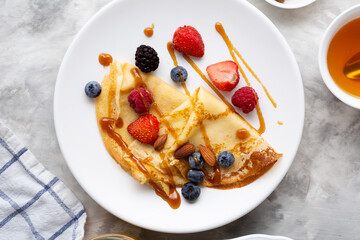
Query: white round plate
[
  {"x": 118, "y": 29},
  {"x": 291, "y": 4},
  {"x": 261, "y": 237}
]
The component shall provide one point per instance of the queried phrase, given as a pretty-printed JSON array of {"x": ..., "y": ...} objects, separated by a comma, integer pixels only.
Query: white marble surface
[{"x": 319, "y": 197}]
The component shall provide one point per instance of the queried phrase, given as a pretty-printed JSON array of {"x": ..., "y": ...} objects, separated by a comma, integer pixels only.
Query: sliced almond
[
  {"x": 160, "y": 142},
  {"x": 184, "y": 151},
  {"x": 208, "y": 155}
]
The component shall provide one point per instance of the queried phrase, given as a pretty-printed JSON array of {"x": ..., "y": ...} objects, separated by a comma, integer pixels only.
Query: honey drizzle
[
  {"x": 220, "y": 29},
  {"x": 171, "y": 51}
]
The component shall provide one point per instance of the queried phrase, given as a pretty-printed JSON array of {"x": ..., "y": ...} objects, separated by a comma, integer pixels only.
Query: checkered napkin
[{"x": 34, "y": 204}]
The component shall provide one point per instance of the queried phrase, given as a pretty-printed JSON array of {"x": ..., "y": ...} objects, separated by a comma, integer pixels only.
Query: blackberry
[{"x": 146, "y": 58}]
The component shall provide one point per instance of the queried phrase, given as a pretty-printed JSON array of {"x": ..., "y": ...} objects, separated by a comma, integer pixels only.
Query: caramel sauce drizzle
[
  {"x": 166, "y": 167},
  {"x": 138, "y": 78},
  {"x": 220, "y": 29},
  {"x": 106, "y": 125},
  {"x": 174, "y": 198},
  {"x": 144, "y": 101},
  {"x": 119, "y": 123},
  {"x": 171, "y": 51},
  {"x": 149, "y": 31},
  {"x": 262, "y": 127},
  {"x": 216, "y": 179},
  {"x": 140, "y": 83},
  {"x": 105, "y": 59},
  {"x": 202, "y": 75},
  {"x": 205, "y": 136}
]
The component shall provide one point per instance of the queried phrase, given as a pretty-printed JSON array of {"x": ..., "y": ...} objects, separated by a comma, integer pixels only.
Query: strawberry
[
  {"x": 188, "y": 40},
  {"x": 224, "y": 75},
  {"x": 145, "y": 129}
]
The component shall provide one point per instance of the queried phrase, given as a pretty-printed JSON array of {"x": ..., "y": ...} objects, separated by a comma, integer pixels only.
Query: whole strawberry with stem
[
  {"x": 145, "y": 129},
  {"x": 188, "y": 40}
]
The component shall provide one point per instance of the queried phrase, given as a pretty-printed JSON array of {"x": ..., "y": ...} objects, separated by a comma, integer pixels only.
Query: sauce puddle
[
  {"x": 105, "y": 59},
  {"x": 149, "y": 31}
]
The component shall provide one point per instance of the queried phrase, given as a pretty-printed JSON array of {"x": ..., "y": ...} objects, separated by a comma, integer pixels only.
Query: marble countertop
[{"x": 318, "y": 199}]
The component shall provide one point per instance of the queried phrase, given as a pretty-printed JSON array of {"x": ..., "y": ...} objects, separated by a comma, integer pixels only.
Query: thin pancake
[{"x": 200, "y": 119}]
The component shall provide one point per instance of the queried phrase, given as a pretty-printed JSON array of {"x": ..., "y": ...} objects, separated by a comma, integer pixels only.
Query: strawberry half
[
  {"x": 188, "y": 40},
  {"x": 145, "y": 129},
  {"x": 224, "y": 75}
]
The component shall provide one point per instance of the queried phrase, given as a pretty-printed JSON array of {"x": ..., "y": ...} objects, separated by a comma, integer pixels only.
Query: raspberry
[
  {"x": 140, "y": 100},
  {"x": 245, "y": 98},
  {"x": 146, "y": 58}
]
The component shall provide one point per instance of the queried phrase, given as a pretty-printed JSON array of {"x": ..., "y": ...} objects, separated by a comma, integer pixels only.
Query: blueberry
[
  {"x": 190, "y": 191},
  {"x": 175, "y": 75},
  {"x": 196, "y": 161},
  {"x": 93, "y": 89},
  {"x": 225, "y": 159},
  {"x": 196, "y": 176}
]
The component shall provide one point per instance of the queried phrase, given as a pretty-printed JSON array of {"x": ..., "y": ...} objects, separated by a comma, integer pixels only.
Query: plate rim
[
  {"x": 269, "y": 237},
  {"x": 288, "y": 6},
  {"x": 210, "y": 226}
]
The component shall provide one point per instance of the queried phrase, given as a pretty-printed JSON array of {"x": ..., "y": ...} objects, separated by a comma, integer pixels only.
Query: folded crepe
[{"x": 200, "y": 119}]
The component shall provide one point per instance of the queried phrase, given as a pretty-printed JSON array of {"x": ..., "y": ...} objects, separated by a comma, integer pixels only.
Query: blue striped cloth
[{"x": 34, "y": 204}]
